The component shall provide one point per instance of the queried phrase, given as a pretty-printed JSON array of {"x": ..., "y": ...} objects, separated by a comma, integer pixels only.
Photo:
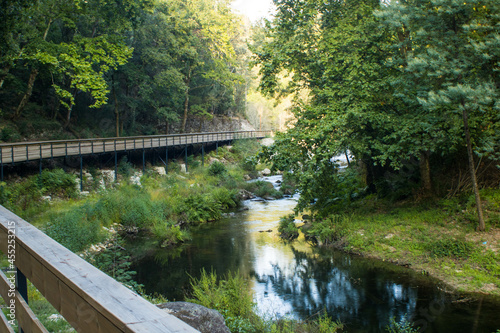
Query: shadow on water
[{"x": 300, "y": 281}]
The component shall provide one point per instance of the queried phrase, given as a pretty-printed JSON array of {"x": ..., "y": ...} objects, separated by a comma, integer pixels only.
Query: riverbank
[{"x": 433, "y": 237}]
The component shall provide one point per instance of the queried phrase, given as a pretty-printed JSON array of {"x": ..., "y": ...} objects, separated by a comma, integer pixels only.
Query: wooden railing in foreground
[
  {"x": 88, "y": 299},
  {"x": 29, "y": 151}
]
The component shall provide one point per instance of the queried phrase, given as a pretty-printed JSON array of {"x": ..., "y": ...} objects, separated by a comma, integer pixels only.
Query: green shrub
[
  {"x": 226, "y": 198},
  {"x": 230, "y": 296},
  {"x": 263, "y": 189},
  {"x": 169, "y": 235},
  {"x": 333, "y": 229},
  {"x": 287, "y": 227},
  {"x": 114, "y": 261},
  {"x": 125, "y": 168},
  {"x": 74, "y": 230},
  {"x": 217, "y": 168},
  {"x": 403, "y": 326},
  {"x": 57, "y": 182},
  {"x": 450, "y": 247},
  {"x": 198, "y": 208}
]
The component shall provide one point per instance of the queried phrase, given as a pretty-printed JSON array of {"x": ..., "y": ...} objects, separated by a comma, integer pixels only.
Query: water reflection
[{"x": 300, "y": 281}]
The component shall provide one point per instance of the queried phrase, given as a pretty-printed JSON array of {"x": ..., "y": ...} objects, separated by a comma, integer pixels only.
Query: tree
[
  {"x": 453, "y": 46},
  {"x": 337, "y": 52}
]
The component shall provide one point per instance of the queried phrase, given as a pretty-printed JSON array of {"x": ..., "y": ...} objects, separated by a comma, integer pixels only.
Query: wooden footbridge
[
  {"x": 88, "y": 299},
  {"x": 22, "y": 152}
]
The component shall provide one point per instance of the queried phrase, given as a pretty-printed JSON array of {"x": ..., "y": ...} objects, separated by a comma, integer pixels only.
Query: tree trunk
[
  {"x": 27, "y": 94},
  {"x": 31, "y": 81},
  {"x": 186, "y": 108},
  {"x": 481, "y": 226},
  {"x": 425, "y": 172},
  {"x": 117, "y": 113},
  {"x": 4, "y": 75},
  {"x": 68, "y": 113}
]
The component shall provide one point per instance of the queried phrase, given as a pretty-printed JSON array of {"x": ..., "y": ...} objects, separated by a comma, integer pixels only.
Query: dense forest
[
  {"x": 114, "y": 68},
  {"x": 410, "y": 89}
]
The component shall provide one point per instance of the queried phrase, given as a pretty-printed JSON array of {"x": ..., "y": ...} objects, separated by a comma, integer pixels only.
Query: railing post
[
  {"x": 22, "y": 288},
  {"x": 12, "y": 154},
  {"x": 27, "y": 153},
  {"x": 51, "y": 151},
  {"x": 143, "y": 157},
  {"x": 92, "y": 146},
  {"x": 202, "y": 154}
]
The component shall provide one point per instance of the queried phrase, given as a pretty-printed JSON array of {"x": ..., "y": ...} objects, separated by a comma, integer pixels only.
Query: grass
[
  {"x": 436, "y": 238},
  {"x": 231, "y": 296}
]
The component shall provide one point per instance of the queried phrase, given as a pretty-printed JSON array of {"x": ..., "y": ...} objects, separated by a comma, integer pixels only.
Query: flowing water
[{"x": 299, "y": 280}]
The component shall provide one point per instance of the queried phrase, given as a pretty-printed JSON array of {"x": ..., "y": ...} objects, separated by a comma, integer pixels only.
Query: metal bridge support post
[
  {"x": 81, "y": 165},
  {"x": 202, "y": 155},
  {"x": 166, "y": 158},
  {"x": 143, "y": 157},
  {"x": 116, "y": 163},
  {"x": 186, "y": 157},
  {"x": 217, "y": 148},
  {"x": 143, "y": 160},
  {"x": 40, "y": 161}
]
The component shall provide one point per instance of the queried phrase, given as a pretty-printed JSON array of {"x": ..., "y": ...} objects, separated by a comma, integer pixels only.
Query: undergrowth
[{"x": 231, "y": 296}]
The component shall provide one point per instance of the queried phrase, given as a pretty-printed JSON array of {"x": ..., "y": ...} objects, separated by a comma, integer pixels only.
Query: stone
[
  {"x": 199, "y": 317},
  {"x": 183, "y": 168},
  {"x": 46, "y": 198},
  {"x": 160, "y": 171},
  {"x": 136, "y": 178},
  {"x": 108, "y": 176},
  {"x": 245, "y": 195},
  {"x": 266, "y": 172}
]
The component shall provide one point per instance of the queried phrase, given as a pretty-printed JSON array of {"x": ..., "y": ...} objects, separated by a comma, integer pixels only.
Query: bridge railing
[
  {"x": 88, "y": 299},
  {"x": 28, "y": 151}
]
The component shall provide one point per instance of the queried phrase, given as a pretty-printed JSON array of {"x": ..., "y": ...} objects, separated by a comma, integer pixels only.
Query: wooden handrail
[
  {"x": 29, "y": 151},
  {"x": 88, "y": 299},
  {"x": 37, "y": 143}
]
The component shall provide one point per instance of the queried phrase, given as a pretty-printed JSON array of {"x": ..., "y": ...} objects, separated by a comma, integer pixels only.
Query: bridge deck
[{"x": 29, "y": 151}]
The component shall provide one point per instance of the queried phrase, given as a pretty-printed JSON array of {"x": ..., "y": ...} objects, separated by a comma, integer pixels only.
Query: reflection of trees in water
[
  {"x": 221, "y": 249},
  {"x": 353, "y": 290}
]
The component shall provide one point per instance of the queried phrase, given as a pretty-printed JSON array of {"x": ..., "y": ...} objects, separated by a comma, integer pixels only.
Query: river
[{"x": 299, "y": 280}]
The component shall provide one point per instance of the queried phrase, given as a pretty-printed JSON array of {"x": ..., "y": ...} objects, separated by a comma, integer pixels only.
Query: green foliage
[
  {"x": 113, "y": 260},
  {"x": 74, "y": 230},
  {"x": 169, "y": 235},
  {"x": 263, "y": 189},
  {"x": 230, "y": 296},
  {"x": 217, "y": 169},
  {"x": 451, "y": 247},
  {"x": 125, "y": 168},
  {"x": 330, "y": 230},
  {"x": 25, "y": 197},
  {"x": 198, "y": 208},
  {"x": 403, "y": 326},
  {"x": 287, "y": 228}
]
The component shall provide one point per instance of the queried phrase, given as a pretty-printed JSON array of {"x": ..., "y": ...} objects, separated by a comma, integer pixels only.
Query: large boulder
[{"x": 199, "y": 317}]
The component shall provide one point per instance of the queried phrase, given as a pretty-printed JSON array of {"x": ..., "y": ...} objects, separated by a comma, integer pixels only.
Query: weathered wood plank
[
  {"x": 4, "y": 324},
  {"x": 26, "y": 318},
  {"x": 90, "y": 300}
]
